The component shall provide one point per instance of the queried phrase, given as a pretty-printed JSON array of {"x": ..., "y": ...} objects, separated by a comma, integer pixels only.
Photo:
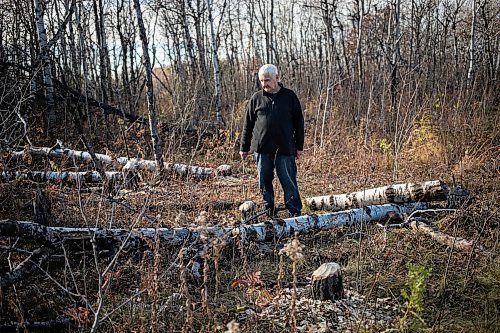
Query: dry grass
[{"x": 150, "y": 291}]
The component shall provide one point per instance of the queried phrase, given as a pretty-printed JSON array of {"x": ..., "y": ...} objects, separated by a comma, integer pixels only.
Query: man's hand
[
  {"x": 299, "y": 153},
  {"x": 243, "y": 154}
]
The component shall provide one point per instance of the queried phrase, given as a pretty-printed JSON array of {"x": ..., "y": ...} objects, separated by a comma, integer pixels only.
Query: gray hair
[{"x": 269, "y": 69}]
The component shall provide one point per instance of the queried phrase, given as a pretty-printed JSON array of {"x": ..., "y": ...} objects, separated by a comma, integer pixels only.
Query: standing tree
[
  {"x": 215, "y": 60},
  {"x": 153, "y": 121},
  {"x": 46, "y": 66}
]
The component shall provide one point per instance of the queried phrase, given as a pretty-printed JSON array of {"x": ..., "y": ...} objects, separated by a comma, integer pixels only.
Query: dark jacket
[{"x": 274, "y": 123}]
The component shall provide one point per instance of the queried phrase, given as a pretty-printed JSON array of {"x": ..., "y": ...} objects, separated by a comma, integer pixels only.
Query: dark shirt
[{"x": 274, "y": 123}]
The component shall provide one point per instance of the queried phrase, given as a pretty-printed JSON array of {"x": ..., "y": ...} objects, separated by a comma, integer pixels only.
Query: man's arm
[
  {"x": 298, "y": 127},
  {"x": 247, "y": 131}
]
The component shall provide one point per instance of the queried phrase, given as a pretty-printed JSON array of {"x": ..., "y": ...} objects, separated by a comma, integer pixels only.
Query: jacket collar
[{"x": 279, "y": 91}]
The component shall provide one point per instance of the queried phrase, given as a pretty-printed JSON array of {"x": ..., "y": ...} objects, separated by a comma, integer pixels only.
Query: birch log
[
  {"x": 23, "y": 270},
  {"x": 66, "y": 176},
  {"x": 129, "y": 164},
  {"x": 433, "y": 190},
  {"x": 259, "y": 232},
  {"x": 440, "y": 237}
]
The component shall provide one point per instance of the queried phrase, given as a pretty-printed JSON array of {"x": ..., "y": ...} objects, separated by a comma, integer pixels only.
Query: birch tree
[
  {"x": 215, "y": 61},
  {"x": 45, "y": 63},
  {"x": 153, "y": 121},
  {"x": 472, "y": 46}
]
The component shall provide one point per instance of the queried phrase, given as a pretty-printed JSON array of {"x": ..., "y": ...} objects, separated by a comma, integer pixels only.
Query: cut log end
[
  {"x": 248, "y": 211},
  {"x": 327, "y": 282}
]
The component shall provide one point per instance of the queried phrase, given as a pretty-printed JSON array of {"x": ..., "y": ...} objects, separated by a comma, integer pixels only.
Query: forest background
[{"x": 391, "y": 90}]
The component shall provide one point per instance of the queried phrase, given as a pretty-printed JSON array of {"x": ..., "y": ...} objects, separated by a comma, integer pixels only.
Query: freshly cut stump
[{"x": 327, "y": 282}]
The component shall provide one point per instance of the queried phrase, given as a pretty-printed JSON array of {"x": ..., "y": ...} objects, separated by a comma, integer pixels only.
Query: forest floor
[{"x": 148, "y": 291}]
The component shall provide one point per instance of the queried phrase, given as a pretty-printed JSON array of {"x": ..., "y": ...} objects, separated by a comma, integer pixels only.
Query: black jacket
[{"x": 274, "y": 123}]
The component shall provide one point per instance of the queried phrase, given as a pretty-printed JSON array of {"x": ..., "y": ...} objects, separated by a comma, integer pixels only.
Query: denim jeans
[{"x": 286, "y": 170}]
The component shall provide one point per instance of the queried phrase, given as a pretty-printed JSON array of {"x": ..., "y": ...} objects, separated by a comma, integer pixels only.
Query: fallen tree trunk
[
  {"x": 66, "y": 176},
  {"x": 128, "y": 164},
  {"x": 56, "y": 324},
  {"x": 23, "y": 270},
  {"x": 433, "y": 190},
  {"x": 440, "y": 237},
  {"x": 259, "y": 232}
]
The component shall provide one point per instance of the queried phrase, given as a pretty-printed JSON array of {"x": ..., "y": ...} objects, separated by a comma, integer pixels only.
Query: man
[{"x": 274, "y": 130}]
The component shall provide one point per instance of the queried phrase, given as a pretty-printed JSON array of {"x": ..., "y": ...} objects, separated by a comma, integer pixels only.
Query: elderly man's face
[{"x": 269, "y": 83}]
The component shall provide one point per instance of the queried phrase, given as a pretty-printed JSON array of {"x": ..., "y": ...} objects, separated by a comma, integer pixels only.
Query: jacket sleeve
[
  {"x": 248, "y": 125},
  {"x": 298, "y": 124}
]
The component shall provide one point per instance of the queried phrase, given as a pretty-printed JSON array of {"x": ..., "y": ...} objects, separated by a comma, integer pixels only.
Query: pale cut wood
[
  {"x": 327, "y": 282},
  {"x": 248, "y": 211},
  {"x": 441, "y": 237},
  {"x": 272, "y": 230},
  {"x": 433, "y": 190}
]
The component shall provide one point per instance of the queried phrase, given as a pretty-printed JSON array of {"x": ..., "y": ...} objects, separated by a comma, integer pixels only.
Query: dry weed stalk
[
  {"x": 188, "y": 321},
  {"x": 293, "y": 250},
  {"x": 201, "y": 220},
  {"x": 281, "y": 270},
  {"x": 155, "y": 284},
  {"x": 218, "y": 246}
]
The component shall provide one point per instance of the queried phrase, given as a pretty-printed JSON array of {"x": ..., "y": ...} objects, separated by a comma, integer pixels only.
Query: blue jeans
[{"x": 286, "y": 170}]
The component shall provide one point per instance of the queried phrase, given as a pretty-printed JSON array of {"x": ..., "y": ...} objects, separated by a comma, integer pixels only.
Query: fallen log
[
  {"x": 259, "y": 232},
  {"x": 56, "y": 324},
  {"x": 433, "y": 190},
  {"x": 441, "y": 237},
  {"x": 128, "y": 164},
  {"x": 65, "y": 176},
  {"x": 24, "y": 269}
]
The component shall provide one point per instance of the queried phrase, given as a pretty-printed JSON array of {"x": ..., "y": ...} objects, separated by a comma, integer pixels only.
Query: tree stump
[
  {"x": 248, "y": 211},
  {"x": 327, "y": 282}
]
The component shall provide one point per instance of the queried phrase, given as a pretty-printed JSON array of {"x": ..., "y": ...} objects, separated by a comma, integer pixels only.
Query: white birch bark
[
  {"x": 153, "y": 121},
  {"x": 397, "y": 193},
  {"x": 260, "y": 232},
  {"x": 129, "y": 164},
  {"x": 215, "y": 60},
  {"x": 472, "y": 45},
  {"x": 66, "y": 176},
  {"x": 442, "y": 238},
  {"x": 46, "y": 67}
]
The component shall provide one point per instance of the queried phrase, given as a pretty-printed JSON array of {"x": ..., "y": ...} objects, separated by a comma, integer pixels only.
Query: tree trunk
[
  {"x": 215, "y": 59},
  {"x": 396, "y": 53},
  {"x": 129, "y": 164},
  {"x": 23, "y": 270},
  {"x": 153, "y": 127},
  {"x": 399, "y": 193},
  {"x": 47, "y": 68},
  {"x": 327, "y": 282},
  {"x": 273, "y": 230},
  {"x": 440, "y": 237},
  {"x": 66, "y": 176},
  {"x": 472, "y": 46}
]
